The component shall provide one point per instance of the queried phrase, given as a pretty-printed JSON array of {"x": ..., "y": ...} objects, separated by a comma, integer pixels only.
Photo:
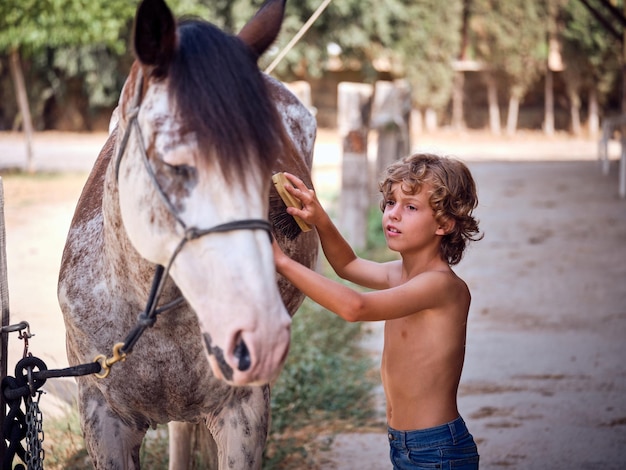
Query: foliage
[
  {"x": 63, "y": 442},
  {"x": 36, "y": 25},
  {"x": 326, "y": 380},
  {"x": 345, "y": 23},
  {"x": 428, "y": 40},
  {"x": 86, "y": 42},
  {"x": 325, "y": 376},
  {"x": 67, "y": 41},
  {"x": 418, "y": 39},
  {"x": 591, "y": 53},
  {"x": 511, "y": 38}
]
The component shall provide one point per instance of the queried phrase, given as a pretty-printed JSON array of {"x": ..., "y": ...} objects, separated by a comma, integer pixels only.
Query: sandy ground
[{"x": 544, "y": 385}]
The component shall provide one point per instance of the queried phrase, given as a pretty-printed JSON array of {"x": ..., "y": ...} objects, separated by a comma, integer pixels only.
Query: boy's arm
[
  {"x": 428, "y": 291},
  {"x": 339, "y": 253}
]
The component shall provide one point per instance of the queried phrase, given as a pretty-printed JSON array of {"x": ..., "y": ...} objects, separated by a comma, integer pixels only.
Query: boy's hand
[
  {"x": 279, "y": 255},
  {"x": 312, "y": 211}
]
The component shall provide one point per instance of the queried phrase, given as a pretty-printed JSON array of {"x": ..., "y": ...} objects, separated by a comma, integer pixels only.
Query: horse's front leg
[
  {"x": 111, "y": 443},
  {"x": 240, "y": 428},
  {"x": 186, "y": 439},
  {"x": 180, "y": 435}
]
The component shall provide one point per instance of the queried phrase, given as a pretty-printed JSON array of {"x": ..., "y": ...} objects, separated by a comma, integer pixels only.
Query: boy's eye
[
  {"x": 411, "y": 208},
  {"x": 389, "y": 203}
]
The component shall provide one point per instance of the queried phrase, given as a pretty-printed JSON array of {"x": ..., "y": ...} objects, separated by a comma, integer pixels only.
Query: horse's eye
[{"x": 183, "y": 171}]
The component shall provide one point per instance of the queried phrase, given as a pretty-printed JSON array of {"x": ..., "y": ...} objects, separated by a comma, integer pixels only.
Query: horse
[{"x": 176, "y": 219}]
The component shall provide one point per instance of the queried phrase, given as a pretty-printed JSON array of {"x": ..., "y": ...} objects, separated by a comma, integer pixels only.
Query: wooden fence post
[
  {"x": 353, "y": 110},
  {"x": 391, "y": 112}
]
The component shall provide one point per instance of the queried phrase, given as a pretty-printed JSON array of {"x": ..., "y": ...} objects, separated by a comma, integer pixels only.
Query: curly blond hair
[{"x": 453, "y": 196}]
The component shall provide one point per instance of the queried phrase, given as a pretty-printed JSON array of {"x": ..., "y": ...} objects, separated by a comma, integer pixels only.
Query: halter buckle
[{"x": 106, "y": 363}]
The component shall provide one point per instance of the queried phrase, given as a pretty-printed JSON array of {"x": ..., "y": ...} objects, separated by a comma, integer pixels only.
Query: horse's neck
[
  {"x": 118, "y": 253},
  {"x": 125, "y": 264},
  {"x": 300, "y": 125}
]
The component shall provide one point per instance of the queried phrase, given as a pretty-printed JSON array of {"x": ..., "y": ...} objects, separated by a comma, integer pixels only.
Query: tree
[
  {"x": 592, "y": 61},
  {"x": 32, "y": 27},
  {"x": 458, "y": 95},
  {"x": 418, "y": 40},
  {"x": 362, "y": 30},
  {"x": 428, "y": 40},
  {"x": 511, "y": 38},
  {"x": 553, "y": 63}
]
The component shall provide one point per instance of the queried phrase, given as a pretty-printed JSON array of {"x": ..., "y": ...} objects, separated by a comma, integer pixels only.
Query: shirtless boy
[{"x": 427, "y": 219}]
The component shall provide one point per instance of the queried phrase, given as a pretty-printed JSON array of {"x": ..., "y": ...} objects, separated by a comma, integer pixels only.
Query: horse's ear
[
  {"x": 154, "y": 35},
  {"x": 261, "y": 31}
]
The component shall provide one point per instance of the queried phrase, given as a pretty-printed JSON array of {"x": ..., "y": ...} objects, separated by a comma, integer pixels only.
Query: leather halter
[{"x": 148, "y": 317}]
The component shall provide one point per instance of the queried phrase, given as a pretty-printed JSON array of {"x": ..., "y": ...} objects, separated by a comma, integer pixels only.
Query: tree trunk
[
  {"x": 458, "y": 121},
  {"x": 594, "y": 115},
  {"x": 511, "y": 121},
  {"x": 22, "y": 102},
  {"x": 494, "y": 108},
  {"x": 548, "y": 124},
  {"x": 574, "y": 107},
  {"x": 430, "y": 120},
  {"x": 417, "y": 122}
]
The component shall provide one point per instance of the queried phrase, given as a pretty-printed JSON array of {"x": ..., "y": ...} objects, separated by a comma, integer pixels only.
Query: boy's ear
[{"x": 445, "y": 226}]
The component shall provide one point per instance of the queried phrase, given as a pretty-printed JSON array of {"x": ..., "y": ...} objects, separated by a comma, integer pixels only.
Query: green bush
[{"x": 326, "y": 374}]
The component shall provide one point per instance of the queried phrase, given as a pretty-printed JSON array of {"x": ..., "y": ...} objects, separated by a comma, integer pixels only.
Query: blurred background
[
  {"x": 551, "y": 65},
  {"x": 529, "y": 94}
]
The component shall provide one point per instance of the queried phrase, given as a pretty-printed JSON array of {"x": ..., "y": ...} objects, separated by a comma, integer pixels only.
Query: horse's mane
[{"x": 222, "y": 96}]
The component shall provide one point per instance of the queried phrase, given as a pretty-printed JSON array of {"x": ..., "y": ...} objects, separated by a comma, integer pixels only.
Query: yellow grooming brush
[{"x": 279, "y": 180}]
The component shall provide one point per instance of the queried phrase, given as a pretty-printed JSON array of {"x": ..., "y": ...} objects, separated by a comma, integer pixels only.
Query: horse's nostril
[{"x": 243, "y": 356}]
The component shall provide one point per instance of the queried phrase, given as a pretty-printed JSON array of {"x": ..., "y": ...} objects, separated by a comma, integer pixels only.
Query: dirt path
[{"x": 545, "y": 376}]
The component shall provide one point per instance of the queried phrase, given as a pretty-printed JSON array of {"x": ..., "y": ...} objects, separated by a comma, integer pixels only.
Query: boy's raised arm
[{"x": 339, "y": 253}]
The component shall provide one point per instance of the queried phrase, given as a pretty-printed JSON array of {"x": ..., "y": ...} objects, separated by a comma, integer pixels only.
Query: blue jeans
[{"x": 449, "y": 446}]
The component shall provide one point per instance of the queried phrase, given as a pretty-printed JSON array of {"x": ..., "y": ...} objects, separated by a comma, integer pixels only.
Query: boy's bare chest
[
  {"x": 417, "y": 342},
  {"x": 406, "y": 339}
]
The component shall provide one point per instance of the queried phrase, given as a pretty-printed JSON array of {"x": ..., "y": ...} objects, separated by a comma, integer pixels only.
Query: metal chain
[{"x": 34, "y": 435}]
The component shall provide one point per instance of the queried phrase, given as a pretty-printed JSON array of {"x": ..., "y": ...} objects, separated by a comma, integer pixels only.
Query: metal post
[{"x": 4, "y": 303}]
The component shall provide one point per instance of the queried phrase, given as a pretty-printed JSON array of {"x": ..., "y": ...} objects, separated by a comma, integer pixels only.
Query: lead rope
[{"x": 297, "y": 37}]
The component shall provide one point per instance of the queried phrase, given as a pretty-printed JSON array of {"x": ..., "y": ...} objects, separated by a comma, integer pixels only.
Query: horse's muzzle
[{"x": 242, "y": 354}]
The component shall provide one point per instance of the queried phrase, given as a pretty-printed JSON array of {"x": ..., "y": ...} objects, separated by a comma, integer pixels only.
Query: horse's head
[{"x": 201, "y": 136}]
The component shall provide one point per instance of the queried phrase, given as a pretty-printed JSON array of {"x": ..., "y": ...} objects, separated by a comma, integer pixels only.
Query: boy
[{"x": 427, "y": 218}]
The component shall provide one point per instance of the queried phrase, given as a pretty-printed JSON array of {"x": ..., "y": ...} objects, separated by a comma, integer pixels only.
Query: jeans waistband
[{"x": 451, "y": 432}]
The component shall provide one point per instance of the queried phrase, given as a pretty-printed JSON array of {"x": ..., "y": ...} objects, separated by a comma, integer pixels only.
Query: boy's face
[{"x": 409, "y": 221}]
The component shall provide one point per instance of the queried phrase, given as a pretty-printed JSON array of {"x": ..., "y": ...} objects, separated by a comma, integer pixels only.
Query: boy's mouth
[{"x": 392, "y": 229}]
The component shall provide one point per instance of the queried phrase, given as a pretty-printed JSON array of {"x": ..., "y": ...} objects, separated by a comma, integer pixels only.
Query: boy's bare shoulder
[
  {"x": 442, "y": 281},
  {"x": 441, "y": 274}
]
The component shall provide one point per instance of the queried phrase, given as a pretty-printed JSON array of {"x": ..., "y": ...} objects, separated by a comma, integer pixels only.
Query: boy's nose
[{"x": 394, "y": 213}]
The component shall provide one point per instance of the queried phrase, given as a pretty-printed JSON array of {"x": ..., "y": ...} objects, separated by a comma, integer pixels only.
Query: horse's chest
[
  {"x": 167, "y": 375},
  {"x": 163, "y": 385}
]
